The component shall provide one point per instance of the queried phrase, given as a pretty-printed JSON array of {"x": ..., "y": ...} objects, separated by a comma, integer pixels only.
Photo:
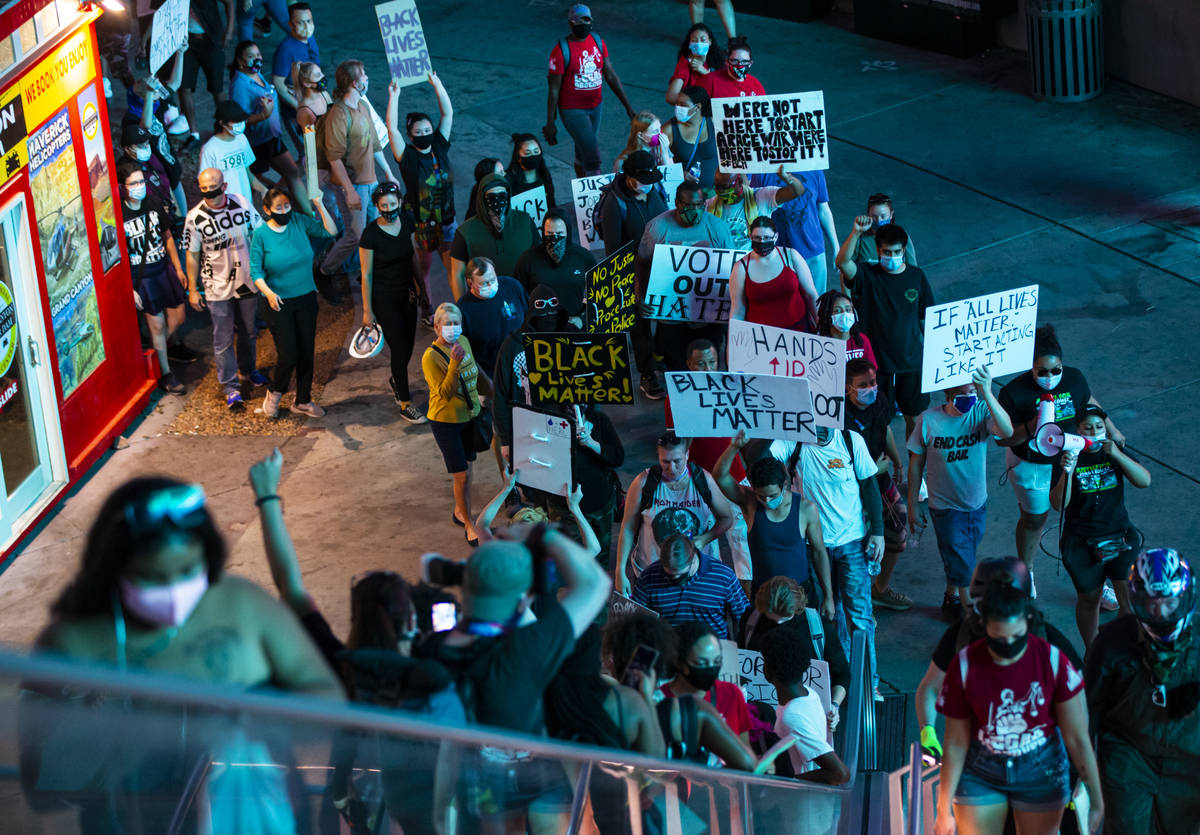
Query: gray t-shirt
[
  {"x": 666, "y": 229},
  {"x": 955, "y": 449}
]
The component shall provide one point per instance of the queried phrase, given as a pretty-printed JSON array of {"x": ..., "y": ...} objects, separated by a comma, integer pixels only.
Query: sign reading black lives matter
[
  {"x": 611, "y": 296},
  {"x": 995, "y": 330},
  {"x": 713, "y": 404},
  {"x": 570, "y": 368},
  {"x": 690, "y": 283},
  {"x": 404, "y": 41},
  {"x": 757, "y": 134}
]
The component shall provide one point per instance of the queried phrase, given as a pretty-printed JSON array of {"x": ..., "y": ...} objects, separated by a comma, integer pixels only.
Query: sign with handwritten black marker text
[
  {"x": 714, "y": 404},
  {"x": 757, "y": 134},
  {"x": 995, "y": 330},
  {"x": 778, "y": 352},
  {"x": 744, "y": 667},
  {"x": 611, "y": 292},
  {"x": 690, "y": 283},
  {"x": 570, "y": 368},
  {"x": 532, "y": 203},
  {"x": 585, "y": 194}
]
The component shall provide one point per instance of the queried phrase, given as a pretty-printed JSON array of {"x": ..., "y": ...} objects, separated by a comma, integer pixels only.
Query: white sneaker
[
  {"x": 1032, "y": 586},
  {"x": 311, "y": 409},
  {"x": 923, "y": 495},
  {"x": 1108, "y": 598},
  {"x": 270, "y": 404}
]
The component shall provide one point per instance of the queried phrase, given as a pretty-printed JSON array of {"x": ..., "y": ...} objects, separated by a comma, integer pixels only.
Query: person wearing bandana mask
[
  {"x": 558, "y": 263},
  {"x": 1143, "y": 687},
  {"x": 493, "y": 307},
  {"x": 734, "y": 79},
  {"x": 230, "y": 153},
  {"x": 1029, "y": 471},
  {"x": 685, "y": 584},
  {"x": 948, "y": 447},
  {"x": 881, "y": 212},
  {"x": 497, "y": 232},
  {"x": 1015, "y": 708},
  {"x": 771, "y": 285},
  {"x": 697, "y": 668}
]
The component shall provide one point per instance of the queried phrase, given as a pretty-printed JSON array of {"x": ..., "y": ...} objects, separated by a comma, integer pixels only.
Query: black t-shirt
[
  {"x": 890, "y": 309},
  {"x": 567, "y": 278},
  {"x": 146, "y": 228},
  {"x": 393, "y": 264},
  {"x": 517, "y": 185},
  {"x": 948, "y": 647},
  {"x": 1097, "y": 505},
  {"x": 429, "y": 181},
  {"x": 487, "y": 323},
  {"x": 1020, "y": 398},
  {"x": 321, "y": 633},
  {"x": 871, "y": 422}
]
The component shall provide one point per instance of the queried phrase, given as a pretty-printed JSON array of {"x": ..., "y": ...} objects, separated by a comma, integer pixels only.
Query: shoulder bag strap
[{"x": 462, "y": 383}]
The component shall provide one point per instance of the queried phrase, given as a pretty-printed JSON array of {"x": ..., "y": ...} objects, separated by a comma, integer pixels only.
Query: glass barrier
[{"x": 90, "y": 750}]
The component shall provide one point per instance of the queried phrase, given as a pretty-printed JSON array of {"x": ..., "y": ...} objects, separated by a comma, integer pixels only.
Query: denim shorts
[
  {"x": 959, "y": 533},
  {"x": 1033, "y": 782}
]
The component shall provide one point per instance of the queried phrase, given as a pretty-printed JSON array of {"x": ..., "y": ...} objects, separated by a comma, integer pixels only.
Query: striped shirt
[{"x": 707, "y": 596}]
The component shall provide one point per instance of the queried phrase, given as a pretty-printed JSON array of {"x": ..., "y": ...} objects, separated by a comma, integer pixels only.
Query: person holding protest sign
[
  {"x": 693, "y": 138},
  {"x": 699, "y": 55},
  {"x": 836, "y": 319},
  {"x": 674, "y": 482},
  {"x": 527, "y": 169},
  {"x": 559, "y": 263},
  {"x": 891, "y": 297},
  {"x": 738, "y": 204},
  {"x": 497, "y": 232},
  {"x": 579, "y": 66},
  {"x": 772, "y": 285},
  {"x": 312, "y": 97},
  {"x": 645, "y": 134},
  {"x": 428, "y": 177},
  {"x": 879, "y": 207},
  {"x": 734, "y": 79},
  {"x": 1097, "y": 543},
  {"x": 806, "y": 223},
  {"x": 685, "y": 584},
  {"x": 952, "y": 439},
  {"x": 1029, "y": 471}
]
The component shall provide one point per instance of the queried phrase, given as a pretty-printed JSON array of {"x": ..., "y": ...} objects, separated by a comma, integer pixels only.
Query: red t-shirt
[
  {"x": 706, "y": 451},
  {"x": 727, "y": 698},
  {"x": 1011, "y": 708},
  {"x": 683, "y": 71},
  {"x": 583, "y": 75},
  {"x": 859, "y": 347},
  {"x": 720, "y": 85}
]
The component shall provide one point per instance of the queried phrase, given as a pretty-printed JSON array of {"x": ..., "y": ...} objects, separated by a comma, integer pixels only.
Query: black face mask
[
  {"x": 1008, "y": 650},
  {"x": 320, "y": 86},
  {"x": 545, "y": 322},
  {"x": 215, "y": 194},
  {"x": 255, "y": 65},
  {"x": 762, "y": 247},
  {"x": 390, "y": 214},
  {"x": 530, "y": 162},
  {"x": 282, "y": 218},
  {"x": 702, "y": 678},
  {"x": 581, "y": 30},
  {"x": 423, "y": 141}
]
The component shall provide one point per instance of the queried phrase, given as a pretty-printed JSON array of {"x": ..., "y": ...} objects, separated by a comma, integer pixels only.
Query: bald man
[{"x": 216, "y": 236}]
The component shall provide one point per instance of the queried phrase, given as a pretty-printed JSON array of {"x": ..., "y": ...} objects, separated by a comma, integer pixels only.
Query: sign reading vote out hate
[
  {"x": 585, "y": 193},
  {"x": 532, "y": 203},
  {"x": 757, "y": 134},
  {"x": 713, "y": 404},
  {"x": 995, "y": 330},
  {"x": 611, "y": 297},
  {"x": 168, "y": 31},
  {"x": 690, "y": 283},
  {"x": 569, "y": 368},
  {"x": 404, "y": 41},
  {"x": 762, "y": 349}
]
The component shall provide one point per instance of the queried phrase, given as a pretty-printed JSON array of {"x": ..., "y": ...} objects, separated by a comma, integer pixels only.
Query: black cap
[
  {"x": 640, "y": 165},
  {"x": 231, "y": 111},
  {"x": 134, "y": 134}
]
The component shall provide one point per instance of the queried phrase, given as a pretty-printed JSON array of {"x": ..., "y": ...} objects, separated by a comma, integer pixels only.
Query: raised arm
[
  {"x": 590, "y": 543},
  {"x": 1000, "y": 423},
  {"x": 395, "y": 137},
  {"x": 1135, "y": 473},
  {"x": 586, "y": 585},
  {"x": 281, "y": 551},
  {"x": 483, "y": 522},
  {"x": 444, "y": 106},
  {"x": 791, "y": 191},
  {"x": 845, "y": 256},
  {"x": 739, "y": 494}
]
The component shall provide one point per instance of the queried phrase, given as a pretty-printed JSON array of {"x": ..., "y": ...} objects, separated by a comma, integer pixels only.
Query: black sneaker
[
  {"x": 411, "y": 414},
  {"x": 170, "y": 383},
  {"x": 178, "y": 352},
  {"x": 651, "y": 389},
  {"x": 951, "y": 608}
]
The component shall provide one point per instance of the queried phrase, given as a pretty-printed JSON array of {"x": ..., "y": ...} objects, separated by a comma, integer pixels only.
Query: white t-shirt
[
  {"x": 827, "y": 480},
  {"x": 803, "y": 718},
  {"x": 645, "y": 551},
  {"x": 734, "y": 215},
  {"x": 233, "y": 158},
  {"x": 222, "y": 238},
  {"x": 955, "y": 449}
]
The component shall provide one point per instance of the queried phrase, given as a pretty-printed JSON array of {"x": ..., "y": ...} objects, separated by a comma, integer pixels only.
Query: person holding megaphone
[{"x": 1097, "y": 541}]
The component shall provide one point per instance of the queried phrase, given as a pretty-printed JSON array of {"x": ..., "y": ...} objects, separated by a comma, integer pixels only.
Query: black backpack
[
  {"x": 794, "y": 458},
  {"x": 654, "y": 478}
]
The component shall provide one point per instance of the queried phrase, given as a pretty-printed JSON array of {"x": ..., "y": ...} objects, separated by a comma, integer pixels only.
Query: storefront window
[
  {"x": 47, "y": 21},
  {"x": 7, "y": 55},
  {"x": 28, "y": 36},
  {"x": 18, "y": 442}
]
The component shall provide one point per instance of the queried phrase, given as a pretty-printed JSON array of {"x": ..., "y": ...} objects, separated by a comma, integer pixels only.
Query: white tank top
[{"x": 646, "y": 550}]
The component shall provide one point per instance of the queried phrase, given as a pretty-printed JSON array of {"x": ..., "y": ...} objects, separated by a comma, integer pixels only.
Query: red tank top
[{"x": 778, "y": 302}]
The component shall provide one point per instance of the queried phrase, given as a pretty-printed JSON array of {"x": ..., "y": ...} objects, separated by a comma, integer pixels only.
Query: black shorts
[
  {"x": 158, "y": 288},
  {"x": 203, "y": 53},
  {"x": 457, "y": 443},
  {"x": 264, "y": 153},
  {"x": 1088, "y": 573},
  {"x": 904, "y": 391}
]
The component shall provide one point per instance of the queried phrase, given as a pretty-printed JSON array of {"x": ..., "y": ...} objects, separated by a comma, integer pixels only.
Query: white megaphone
[{"x": 1049, "y": 439}]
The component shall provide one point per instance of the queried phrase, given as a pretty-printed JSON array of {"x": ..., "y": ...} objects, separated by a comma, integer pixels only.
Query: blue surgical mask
[
  {"x": 965, "y": 402},
  {"x": 772, "y": 504},
  {"x": 451, "y": 333},
  {"x": 867, "y": 396},
  {"x": 891, "y": 263},
  {"x": 843, "y": 321},
  {"x": 698, "y": 49}
]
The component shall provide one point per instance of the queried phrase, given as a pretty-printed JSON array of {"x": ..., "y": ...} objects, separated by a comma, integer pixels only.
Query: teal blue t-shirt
[{"x": 284, "y": 258}]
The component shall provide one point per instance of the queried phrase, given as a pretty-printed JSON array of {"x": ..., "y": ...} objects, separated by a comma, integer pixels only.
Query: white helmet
[{"x": 367, "y": 342}]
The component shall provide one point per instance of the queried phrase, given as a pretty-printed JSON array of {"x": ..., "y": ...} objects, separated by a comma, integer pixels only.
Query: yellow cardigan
[{"x": 446, "y": 401}]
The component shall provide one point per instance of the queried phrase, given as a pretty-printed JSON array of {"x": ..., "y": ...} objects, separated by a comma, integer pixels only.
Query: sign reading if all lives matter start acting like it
[{"x": 995, "y": 330}]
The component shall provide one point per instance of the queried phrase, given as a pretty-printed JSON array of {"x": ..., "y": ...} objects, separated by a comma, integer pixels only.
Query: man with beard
[
  {"x": 558, "y": 263},
  {"x": 496, "y": 232}
]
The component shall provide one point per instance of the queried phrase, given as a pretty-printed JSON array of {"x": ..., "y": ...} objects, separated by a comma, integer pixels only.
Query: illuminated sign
[{"x": 57, "y": 77}]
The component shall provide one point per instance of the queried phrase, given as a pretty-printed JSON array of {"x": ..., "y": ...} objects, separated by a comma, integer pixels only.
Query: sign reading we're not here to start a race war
[{"x": 757, "y": 134}]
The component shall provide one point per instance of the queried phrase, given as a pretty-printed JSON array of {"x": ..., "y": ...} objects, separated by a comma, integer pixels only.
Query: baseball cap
[
  {"x": 640, "y": 165},
  {"x": 498, "y": 575},
  {"x": 231, "y": 111},
  {"x": 134, "y": 134},
  {"x": 577, "y": 11}
]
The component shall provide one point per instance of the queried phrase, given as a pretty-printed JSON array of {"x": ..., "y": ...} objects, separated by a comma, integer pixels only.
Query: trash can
[{"x": 1066, "y": 49}]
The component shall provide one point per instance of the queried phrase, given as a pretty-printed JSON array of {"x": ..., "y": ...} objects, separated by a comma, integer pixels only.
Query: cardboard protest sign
[
  {"x": 619, "y": 606},
  {"x": 611, "y": 296},
  {"x": 569, "y": 368},
  {"x": 757, "y": 134},
  {"x": 714, "y": 404},
  {"x": 748, "y": 674},
  {"x": 532, "y": 203},
  {"x": 542, "y": 451},
  {"x": 995, "y": 330},
  {"x": 404, "y": 41},
  {"x": 690, "y": 283},
  {"x": 585, "y": 193},
  {"x": 762, "y": 349},
  {"x": 168, "y": 32}
]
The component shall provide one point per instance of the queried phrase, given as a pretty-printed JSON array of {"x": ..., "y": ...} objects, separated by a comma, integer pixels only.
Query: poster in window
[
  {"x": 66, "y": 259},
  {"x": 95, "y": 157}
]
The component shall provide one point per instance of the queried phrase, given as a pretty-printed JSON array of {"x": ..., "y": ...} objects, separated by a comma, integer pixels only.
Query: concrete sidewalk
[{"x": 1099, "y": 203}]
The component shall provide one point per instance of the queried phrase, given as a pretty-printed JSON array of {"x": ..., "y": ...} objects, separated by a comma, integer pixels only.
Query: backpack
[
  {"x": 607, "y": 192},
  {"x": 654, "y": 478},
  {"x": 794, "y": 458}
]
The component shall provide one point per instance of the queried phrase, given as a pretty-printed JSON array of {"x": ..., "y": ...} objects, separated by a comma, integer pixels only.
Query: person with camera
[{"x": 1097, "y": 543}]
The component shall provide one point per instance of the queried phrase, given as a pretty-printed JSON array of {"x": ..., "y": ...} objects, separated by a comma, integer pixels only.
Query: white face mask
[
  {"x": 361, "y": 86},
  {"x": 1049, "y": 383},
  {"x": 451, "y": 333},
  {"x": 137, "y": 192},
  {"x": 167, "y": 605},
  {"x": 237, "y": 128},
  {"x": 843, "y": 321},
  {"x": 487, "y": 291},
  {"x": 682, "y": 114},
  {"x": 1100, "y": 437}
]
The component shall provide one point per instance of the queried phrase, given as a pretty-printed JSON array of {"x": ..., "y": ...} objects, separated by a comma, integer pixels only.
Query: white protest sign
[
  {"x": 404, "y": 41},
  {"x": 168, "y": 32},
  {"x": 757, "y": 134},
  {"x": 542, "y": 451},
  {"x": 620, "y": 606},
  {"x": 532, "y": 203},
  {"x": 690, "y": 283},
  {"x": 585, "y": 193},
  {"x": 995, "y": 330},
  {"x": 821, "y": 360},
  {"x": 748, "y": 674},
  {"x": 715, "y": 404}
]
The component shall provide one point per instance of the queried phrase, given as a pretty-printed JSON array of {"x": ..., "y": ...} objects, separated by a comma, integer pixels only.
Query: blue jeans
[
  {"x": 277, "y": 9},
  {"x": 233, "y": 318},
  {"x": 852, "y": 598},
  {"x": 343, "y": 255},
  {"x": 584, "y": 127},
  {"x": 959, "y": 533}
]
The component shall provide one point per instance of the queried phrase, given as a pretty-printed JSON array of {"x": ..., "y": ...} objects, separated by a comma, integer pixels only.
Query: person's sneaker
[
  {"x": 412, "y": 414},
  {"x": 1032, "y": 586},
  {"x": 427, "y": 321},
  {"x": 311, "y": 409},
  {"x": 234, "y": 401},
  {"x": 1108, "y": 598},
  {"x": 651, "y": 389},
  {"x": 178, "y": 352},
  {"x": 170, "y": 383},
  {"x": 270, "y": 404},
  {"x": 951, "y": 607},
  {"x": 889, "y": 598},
  {"x": 256, "y": 378}
]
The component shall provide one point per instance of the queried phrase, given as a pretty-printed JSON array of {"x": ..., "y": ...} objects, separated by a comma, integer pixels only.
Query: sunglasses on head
[{"x": 181, "y": 505}]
